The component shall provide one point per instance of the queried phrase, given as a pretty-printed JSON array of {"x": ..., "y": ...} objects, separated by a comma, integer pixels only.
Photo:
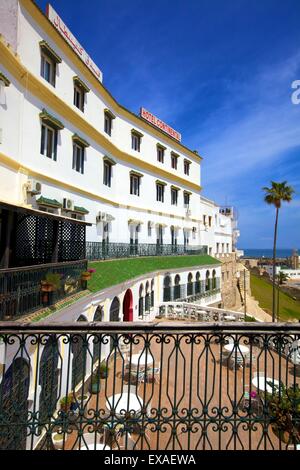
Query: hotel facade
[{"x": 69, "y": 149}]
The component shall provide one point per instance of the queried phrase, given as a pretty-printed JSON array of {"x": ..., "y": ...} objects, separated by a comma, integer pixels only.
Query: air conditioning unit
[
  {"x": 34, "y": 187},
  {"x": 68, "y": 204}
]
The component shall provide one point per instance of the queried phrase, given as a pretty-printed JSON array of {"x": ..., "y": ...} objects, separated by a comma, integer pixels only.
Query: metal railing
[
  {"x": 99, "y": 250},
  {"x": 192, "y": 311},
  {"x": 21, "y": 290},
  {"x": 164, "y": 386}
]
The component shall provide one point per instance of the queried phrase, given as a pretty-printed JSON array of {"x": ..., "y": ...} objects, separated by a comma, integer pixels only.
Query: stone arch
[
  {"x": 79, "y": 348},
  {"x": 147, "y": 297},
  {"x": 167, "y": 288},
  {"x": 177, "y": 287},
  {"x": 190, "y": 286},
  {"x": 207, "y": 281},
  {"x": 214, "y": 279},
  {"x": 128, "y": 306},
  {"x": 141, "y": 300},
  {"x": 197, "y": 283},
  {"x": 114, "y": 311},
  {"x": 152, "y": 293}
]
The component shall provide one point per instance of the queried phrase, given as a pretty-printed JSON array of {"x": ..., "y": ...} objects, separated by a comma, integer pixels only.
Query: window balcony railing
[
  {"x": 21, "y": 290},
  {"x": 175, "y": 386},
  {"x": 99, "y": 250}
]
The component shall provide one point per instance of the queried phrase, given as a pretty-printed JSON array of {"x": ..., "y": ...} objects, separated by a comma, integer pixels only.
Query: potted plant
[
  {"x": 95, "y": 384},
  {"x": 284, "y": 409},
  {"x": 66, "y": 403},
  {"x": 86, "y": 275},
  {"x": 83, "y": 399},
  {"x": 103, "y": 370},
  {"x": 58, "y": 439},
  {"x": 51, "y": 283}
]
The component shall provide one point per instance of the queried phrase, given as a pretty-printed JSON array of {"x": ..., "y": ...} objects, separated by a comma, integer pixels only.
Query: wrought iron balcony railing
[
  {"x": 21, "y": 290},
  {"x": 164, "y": 386},
  {"x": 98, "y": 250}
]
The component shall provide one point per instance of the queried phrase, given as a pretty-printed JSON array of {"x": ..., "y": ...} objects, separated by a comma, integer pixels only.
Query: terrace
[{"x": 158, "y": 386}]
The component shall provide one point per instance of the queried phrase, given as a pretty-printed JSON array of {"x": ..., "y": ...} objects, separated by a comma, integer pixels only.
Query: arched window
[
  {"x": 79, "y": 348},
  {"x": 152, "y": 293},
  {"x": 197, "y": 283},
  {"x": 114, "y": 310},
  {"x": 49, "y": 378},
  {"x": 147, "y": 297},
  {"x": 14, "y": 407},
  {"x": 167, "y": 288},
  {"x": 98, "y": 316},
  {"x": 190, "y": 284},
  {"x": 177, "y": 287},
  {"x": 214, "y": 280},
  {"x": 141, "y": 301},
  {"x": 207, "y": 281}
]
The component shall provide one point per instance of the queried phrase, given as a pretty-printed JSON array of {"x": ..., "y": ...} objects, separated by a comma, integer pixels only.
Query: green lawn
[
  {"x": 109, "y": 273},
  {"x": 262, "y": 291}
]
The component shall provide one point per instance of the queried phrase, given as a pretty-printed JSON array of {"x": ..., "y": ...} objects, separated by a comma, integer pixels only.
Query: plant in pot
[
  {"x": 83, "y": 399},
  {"x": 66, "y": 403},
  {"x": 51, "y": 283},
  {"x": 95, "y": 383},
  {"x": 58, "y": 439},
  {"x": 86, "y": 275},
  {"x": 284, "y": 408},
  {"x": 103, "y": 368}
]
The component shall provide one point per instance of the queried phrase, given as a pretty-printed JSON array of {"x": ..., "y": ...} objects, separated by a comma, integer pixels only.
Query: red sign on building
[{"x": 160, "y": 124}]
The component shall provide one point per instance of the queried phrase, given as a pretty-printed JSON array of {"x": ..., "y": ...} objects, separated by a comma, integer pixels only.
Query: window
[
  {"x": 79, "y": 97},
  {"x": 174, "y": 159},
  {"x": 209, "y": 220},
  {"x": 48, "y": 69},
  {"x": 136, "y": 138},
  {"x": 186, "y": 199},
  {"x": 174, "y": 196},
  {"x": 160, "y": 192},
  {"x": 149, "y": 229},
  {"x": 135, "y": 185},
  {"x": 218, "y": 247},
  {"x": 160, "y": 154},
  {"x": 107, "y": 124},
  {"x": 107, "y": 173},
  {"x": 204, "y": 219},
  {"x": 78, "y": 158},
  {"x": 187, "y": 167},
  {"x": 49, "y": 59},
  {"x": 49, "y": 141},
  {"x": 227, "y": 247}
]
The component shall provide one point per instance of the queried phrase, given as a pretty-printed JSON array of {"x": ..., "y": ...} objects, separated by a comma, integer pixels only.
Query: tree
[{"x": 275, "y": 195}]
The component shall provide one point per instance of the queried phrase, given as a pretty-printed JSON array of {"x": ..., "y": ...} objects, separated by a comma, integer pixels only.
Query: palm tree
[{"x": 275, "y": 195}]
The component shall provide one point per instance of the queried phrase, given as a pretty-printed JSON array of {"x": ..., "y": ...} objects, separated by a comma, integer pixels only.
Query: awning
[
  {"x": 110, "y": 113},
  {"x": 79, "y": 140},
  {"x": 175, "y": 187},
  {"x": 4, "y": 79},
  {"x": 37, "y": 212},
  {"x": 80, "y": 84},
  {"x": 161, "y": 182},
  {"x": 49, "y": 119},
  {"x": 161, "y": 225},
  {"x": 80, "y": 210},
  {"x": 45, "y": 201},
  {"x": 138, "y": 133},
  {"x": 161, "y": 146},
  {"x": 136, "y": 173},
  {"x": 135, "y": 222},
  {"x": 109, "y": 160},
  {"x": 50, "y": 52}
]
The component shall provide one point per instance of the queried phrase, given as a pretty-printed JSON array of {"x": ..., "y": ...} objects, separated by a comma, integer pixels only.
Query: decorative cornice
[
  {"x": 79, "y": 140},
  {"x": 50, "y": 52},
  {"x": 49, "y": 119},
  {"x": 77, "y": 81}
]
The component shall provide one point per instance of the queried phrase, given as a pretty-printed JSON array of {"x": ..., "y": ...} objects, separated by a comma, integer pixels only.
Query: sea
[{"x": 267, "y": 252}]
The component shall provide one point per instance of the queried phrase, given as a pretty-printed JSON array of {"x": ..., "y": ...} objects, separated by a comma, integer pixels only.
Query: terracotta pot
[
  {"x": 86, "y": 277},
  {"x": 46, "y": 287}
]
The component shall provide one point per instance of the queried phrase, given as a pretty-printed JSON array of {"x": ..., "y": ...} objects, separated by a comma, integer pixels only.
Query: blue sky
[{"x": 219, "y": 72}]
